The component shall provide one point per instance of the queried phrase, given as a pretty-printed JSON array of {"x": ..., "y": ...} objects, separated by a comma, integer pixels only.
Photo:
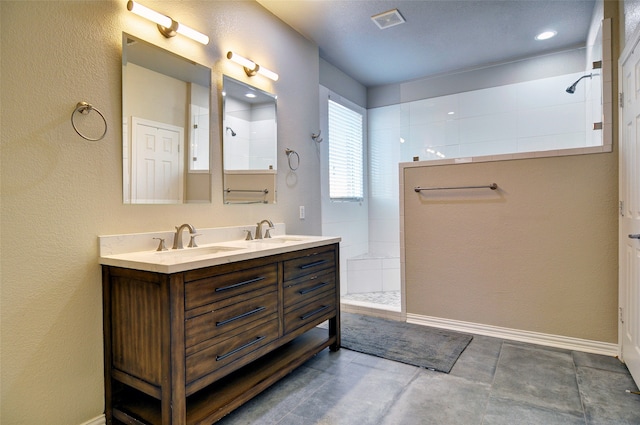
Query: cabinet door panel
[
  {"x": 313, "y": 262},
  {"x": 226, "y": 319},
  {"x": 229, "y": 350},
  {"x": 209, "y": 290},
  {"x": 307, "y": 287},
  {"x": 320, "y": 308}
]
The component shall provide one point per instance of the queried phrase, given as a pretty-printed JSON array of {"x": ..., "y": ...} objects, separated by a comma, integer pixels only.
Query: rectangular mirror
[
  {"x": 166, "y": 152},
  {"x": 249, "y": 143}
]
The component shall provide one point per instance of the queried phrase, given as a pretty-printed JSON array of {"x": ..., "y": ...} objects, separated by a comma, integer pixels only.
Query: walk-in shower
[{"x": 482, "y": 123}]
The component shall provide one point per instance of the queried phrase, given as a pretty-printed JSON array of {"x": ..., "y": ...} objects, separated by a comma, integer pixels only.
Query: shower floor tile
[{"x": 387, "y": 298}]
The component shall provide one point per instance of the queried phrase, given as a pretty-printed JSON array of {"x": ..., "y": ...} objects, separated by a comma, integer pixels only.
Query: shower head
[
  {"x": 233, "y": 133},
  {"x": 572, "y": 88}
]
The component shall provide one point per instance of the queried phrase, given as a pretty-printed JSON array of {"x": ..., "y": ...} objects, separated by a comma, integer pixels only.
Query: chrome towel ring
[
  {"x": 290, "y": 153},
  {"x": 84, "y": 108}
]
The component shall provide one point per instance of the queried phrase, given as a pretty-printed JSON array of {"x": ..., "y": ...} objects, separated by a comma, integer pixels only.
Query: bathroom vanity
[{"x": 192, "y": 335}]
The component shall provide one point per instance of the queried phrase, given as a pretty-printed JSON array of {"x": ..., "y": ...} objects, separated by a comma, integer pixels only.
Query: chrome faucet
[
  {"x": 259, "y": 229},
  {"x": 177, "y": 239}
]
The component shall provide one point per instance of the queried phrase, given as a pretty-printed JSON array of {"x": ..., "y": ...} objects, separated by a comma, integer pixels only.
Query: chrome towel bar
[
  {"x": 228, "y": 190},
  {"x": 492, "y": 186}
]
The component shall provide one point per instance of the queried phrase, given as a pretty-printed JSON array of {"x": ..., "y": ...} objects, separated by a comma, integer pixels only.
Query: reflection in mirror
[
  {"x": 249, "y": 143},
  {"x": 165, "y": 126}
]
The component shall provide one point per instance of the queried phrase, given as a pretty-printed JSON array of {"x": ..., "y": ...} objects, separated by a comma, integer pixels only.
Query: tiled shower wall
[
  {"x": 536, "y": 115},
  {"x": 366, "y": 273}
]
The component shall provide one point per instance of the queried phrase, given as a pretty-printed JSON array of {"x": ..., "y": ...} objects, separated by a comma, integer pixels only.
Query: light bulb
[
  {"x": 192, "y": 34},
  {"x": 242, "y": 61},
  {"x": 149, "y": 14}
]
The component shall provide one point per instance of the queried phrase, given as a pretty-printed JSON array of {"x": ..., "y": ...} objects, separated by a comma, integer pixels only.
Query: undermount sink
[
  {"x": 196, "y": 252},
  {"x": 279, "y": 240}
]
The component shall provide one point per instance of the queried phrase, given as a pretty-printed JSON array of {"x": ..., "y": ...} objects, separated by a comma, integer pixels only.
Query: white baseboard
[
  {"x": 100, "y": 420},
  {"x": 557, "y": 341}
]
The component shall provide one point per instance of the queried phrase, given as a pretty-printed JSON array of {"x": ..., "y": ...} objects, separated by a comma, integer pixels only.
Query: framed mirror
[
  {"x": 249, "y": 143},
  {"x": 166, "y": 149}
]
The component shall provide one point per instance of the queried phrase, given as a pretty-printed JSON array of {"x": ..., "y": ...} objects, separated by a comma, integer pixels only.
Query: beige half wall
[{"x": 539, "y": 254}]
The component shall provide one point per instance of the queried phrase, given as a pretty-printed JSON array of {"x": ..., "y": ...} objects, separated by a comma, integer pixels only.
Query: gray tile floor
[{"x": 493, "y": 382}]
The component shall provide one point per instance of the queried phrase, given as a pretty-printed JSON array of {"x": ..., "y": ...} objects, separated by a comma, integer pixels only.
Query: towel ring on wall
[
  {"x": 84, "y": 108},
  {"x": 290, "y": 153}
]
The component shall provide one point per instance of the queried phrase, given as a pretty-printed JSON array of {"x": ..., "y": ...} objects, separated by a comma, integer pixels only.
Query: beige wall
[
  {"x": 539, "y": 254},
  {"x": 59, "y": 191}
]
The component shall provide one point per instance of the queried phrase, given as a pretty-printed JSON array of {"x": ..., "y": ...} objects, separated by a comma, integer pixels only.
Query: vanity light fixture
[
  {"x": 250, "y": 67},
  {"x": 166, "y": 25}
]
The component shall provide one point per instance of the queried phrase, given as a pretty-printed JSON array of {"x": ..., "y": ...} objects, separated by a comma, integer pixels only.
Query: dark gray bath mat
[{"x": 417, "y": 345}]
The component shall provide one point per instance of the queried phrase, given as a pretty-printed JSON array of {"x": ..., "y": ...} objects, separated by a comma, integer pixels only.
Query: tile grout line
[
  {"x": 303, "y": 399},
  {"x": 397, "y": 397},
  {"x": 495, "y": 372},
  {"x": 575, "y": 373}
]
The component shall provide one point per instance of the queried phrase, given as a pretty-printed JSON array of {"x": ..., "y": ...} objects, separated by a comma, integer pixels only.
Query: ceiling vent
[{"x": 388, "y": 19}]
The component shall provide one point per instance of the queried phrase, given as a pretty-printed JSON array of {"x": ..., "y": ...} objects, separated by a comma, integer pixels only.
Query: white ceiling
[{"x": 439, "y": 36}]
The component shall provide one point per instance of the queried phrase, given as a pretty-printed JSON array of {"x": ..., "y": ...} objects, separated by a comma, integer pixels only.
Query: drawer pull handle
[
  {"x": 315, "y": 288},
  {"x": 248, "y": 344},
  {"x": 317, "y": 263},
  {"x": 241, "y": 316},
  {"x": 246, "y": 282},
  {"x": 314, "y": 312}
]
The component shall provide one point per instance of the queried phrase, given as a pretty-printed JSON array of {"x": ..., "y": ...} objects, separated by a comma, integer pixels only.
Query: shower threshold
[{"x": 387, "y": 300}]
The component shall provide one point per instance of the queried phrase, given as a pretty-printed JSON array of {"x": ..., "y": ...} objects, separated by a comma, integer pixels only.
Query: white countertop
[{"x": 213, "y": 254}]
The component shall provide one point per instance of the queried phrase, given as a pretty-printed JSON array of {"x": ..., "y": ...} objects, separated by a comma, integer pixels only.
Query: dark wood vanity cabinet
[{"x": 190, "y": 347}]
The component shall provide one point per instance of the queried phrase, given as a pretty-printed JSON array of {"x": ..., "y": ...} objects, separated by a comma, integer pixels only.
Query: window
[{"x": 345, "y": 153}]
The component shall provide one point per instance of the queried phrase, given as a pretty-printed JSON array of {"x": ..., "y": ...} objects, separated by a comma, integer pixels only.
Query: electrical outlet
[{"x": 301, "y": 212}]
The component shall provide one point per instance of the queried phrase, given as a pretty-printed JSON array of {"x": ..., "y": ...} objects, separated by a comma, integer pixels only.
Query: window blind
[{"x": 345, "y": 153}]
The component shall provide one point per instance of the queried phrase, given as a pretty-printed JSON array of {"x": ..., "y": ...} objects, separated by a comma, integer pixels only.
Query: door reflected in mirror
[
  {"x": 249, "y": 143},
  {"x": 166, "y": 153}
]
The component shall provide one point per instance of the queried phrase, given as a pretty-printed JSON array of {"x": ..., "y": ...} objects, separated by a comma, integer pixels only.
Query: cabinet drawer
[
  {"x": 225, "y": 318},
  {"x": 319, "y": 309},
  {"x": 307, "y": 287},
  {"x": 229, "y": 350},
  {"x": 209, "y": 290},
  {"x": 313, "y": 262}
]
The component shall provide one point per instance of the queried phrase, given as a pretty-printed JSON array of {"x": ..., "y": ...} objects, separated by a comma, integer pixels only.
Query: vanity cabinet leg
[
  {"x": 106, "y": 327},
  {"x": 173, "y": 403},
  {"x": 334, "y": 323},
  {"x": 334, "y": 329}
]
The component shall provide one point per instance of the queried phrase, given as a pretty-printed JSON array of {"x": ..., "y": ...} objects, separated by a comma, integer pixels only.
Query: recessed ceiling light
[
  {"x": 546, "y": 35},
  {"x": 388, "y": 19},
  {"x": 250, "y": 95}
]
